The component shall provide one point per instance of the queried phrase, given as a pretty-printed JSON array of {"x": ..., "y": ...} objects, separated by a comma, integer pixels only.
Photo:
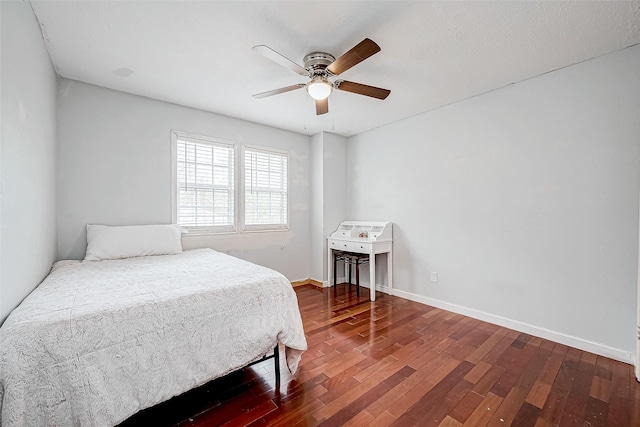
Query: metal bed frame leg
[{"x": 276, "y": 357}]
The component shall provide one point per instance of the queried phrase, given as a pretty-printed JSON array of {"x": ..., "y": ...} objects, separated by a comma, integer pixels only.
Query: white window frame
[
  {"x": 242, "y": 188},
  {"x": 239, "y": 225},
  {"x": 175, "y": 135}
]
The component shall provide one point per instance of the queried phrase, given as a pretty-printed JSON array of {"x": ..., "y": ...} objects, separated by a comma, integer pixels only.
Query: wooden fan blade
[
  {"x": 271, "y": 54},
  {"x": 277, "y": 91},
  {"x": 356, "y": 55},
  {"x": 360, "y": 89},
  {"x": 322, "y": 106}
]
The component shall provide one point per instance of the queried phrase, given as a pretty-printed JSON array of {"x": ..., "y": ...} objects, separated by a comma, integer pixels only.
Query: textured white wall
[
  {"x": 334, "y": 188},
  {"x": 317, "y": 197},
  {"x": 115, "y": 169},
  {"x": 524, "y": 200},
  {"x": 28, "y": 157},
  {"x": 329, "y": 207}
]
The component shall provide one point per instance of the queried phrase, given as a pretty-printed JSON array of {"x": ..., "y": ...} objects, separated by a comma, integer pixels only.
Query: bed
[{"x": 96, "y": 342}]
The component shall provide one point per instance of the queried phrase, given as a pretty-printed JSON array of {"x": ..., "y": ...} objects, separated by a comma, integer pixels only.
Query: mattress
[{"x": 98, "y": 341}]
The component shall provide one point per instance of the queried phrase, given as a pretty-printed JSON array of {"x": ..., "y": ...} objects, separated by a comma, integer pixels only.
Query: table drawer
[{"x": 363, "y": 248}]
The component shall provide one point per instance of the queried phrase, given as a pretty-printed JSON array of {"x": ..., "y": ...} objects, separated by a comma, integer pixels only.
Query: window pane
[
  {"x": 265, "y": 188},
  {"x": 204, "y": 172}
]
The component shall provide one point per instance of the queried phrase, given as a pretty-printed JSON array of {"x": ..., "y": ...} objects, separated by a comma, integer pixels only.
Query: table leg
[
  {"x": 334, "y": 270},
  {"x": 330, "y": 266},
  {"x": 390, "y": 270},
  {"x": 372, "y": 276},
  {"x": 357, "y": 278}
]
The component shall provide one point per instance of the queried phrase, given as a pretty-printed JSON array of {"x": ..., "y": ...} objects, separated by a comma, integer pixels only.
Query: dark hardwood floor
[{"x": 399, "y": 363}]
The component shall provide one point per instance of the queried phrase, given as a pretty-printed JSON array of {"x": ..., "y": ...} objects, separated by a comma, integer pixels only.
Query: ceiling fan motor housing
[{"x": 317, "y": 62}]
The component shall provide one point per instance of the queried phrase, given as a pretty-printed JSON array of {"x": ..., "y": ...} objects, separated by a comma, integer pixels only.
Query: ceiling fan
[{"x": 320, "y": 67}]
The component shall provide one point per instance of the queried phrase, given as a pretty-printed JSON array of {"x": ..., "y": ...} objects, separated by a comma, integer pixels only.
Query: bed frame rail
[{"x": 276, "y": 361}]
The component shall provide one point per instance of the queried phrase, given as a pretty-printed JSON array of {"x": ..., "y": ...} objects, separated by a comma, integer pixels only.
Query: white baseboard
[
  {"x": 579, "y": 343},
  {"x": 325, "y": 283}
]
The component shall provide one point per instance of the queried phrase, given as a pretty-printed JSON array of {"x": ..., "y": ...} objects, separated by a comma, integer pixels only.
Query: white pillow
[{"x": 104, "y": 242}]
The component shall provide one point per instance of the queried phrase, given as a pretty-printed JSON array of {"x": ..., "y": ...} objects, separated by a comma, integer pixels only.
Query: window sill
[{"x": 233, "y": 233}]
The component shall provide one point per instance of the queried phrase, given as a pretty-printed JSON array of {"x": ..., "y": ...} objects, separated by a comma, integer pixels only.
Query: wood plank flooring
[{"x": 395, "y": 362}]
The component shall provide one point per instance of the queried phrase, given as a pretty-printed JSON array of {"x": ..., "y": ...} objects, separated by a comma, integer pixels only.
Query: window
[
  {"x": 265, "y": 189},
  {"x": 206, "y": 198},
  {"x": 204, "y": 177}
]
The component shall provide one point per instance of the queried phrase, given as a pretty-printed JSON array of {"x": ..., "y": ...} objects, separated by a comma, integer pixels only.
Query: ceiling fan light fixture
[{"x": 319, "y": 88}]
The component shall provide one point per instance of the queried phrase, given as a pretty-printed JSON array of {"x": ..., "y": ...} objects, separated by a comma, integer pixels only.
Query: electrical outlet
[{"x": 434, "y": 277}]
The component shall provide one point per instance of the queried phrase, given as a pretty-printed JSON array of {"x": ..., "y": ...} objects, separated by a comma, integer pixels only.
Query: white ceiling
[{"x": 198, "y": 53}]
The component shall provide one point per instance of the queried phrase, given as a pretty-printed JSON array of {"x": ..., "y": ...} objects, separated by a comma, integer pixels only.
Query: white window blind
[
  {"x": 205, "y": 184},
  {"x": 266, "y": 202}
]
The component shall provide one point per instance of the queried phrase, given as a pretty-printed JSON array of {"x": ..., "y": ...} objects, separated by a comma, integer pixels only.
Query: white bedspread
[{"x": 98, "y": 341}]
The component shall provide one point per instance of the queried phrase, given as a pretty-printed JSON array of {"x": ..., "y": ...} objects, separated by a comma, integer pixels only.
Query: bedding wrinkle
[{"x": 99, "y": 340}]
